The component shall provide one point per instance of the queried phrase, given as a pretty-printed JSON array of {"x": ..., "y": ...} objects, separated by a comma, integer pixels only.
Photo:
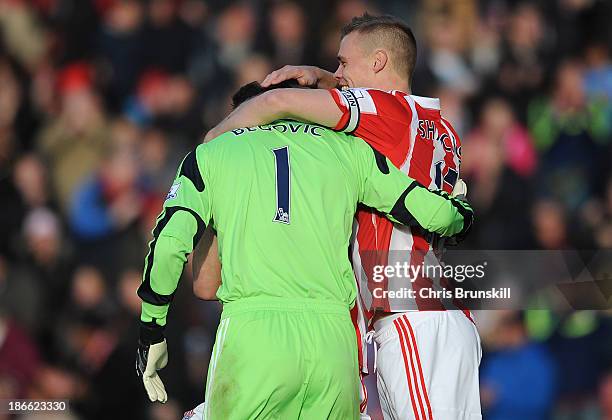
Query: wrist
[{"x": 151, "y": 333}]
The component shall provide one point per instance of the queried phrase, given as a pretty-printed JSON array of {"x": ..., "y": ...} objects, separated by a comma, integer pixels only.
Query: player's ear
[{"x": 380, "y": 60}]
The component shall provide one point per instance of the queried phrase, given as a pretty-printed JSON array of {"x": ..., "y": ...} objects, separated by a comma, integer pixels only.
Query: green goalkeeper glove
[{"x": 151, "y": 356}]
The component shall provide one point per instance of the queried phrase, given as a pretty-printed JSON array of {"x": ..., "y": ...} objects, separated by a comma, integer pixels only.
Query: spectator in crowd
[
  {"x": 75, "y": 142},
  {"x": 121, "y": 47},
  {"x": 445, "y": 59},
  {"x": 288, "y": 43},
  {"x": 108, "y": 201},
  {"x": 525, "y": 56},
  {"x": 568, "y": 131},
  {"x": 550, "y": 225},
  {"x": 598, "y": 74},
  {"x": 155, "y": 156},
  {"x": 168, "y": 101},
  {"x": 499, "y": 125},
  {"x": 169, "y": 40},
  {"x": 518, "y": 377},
  {"x": 498, "y": 161},
  {"x": 22, "y": 34},
  {"x": 235, "y": 35},
  {"x": 579, "y": 346},
  {"x": 32, "y": 182},
  {"x": 48, "y": 260}
]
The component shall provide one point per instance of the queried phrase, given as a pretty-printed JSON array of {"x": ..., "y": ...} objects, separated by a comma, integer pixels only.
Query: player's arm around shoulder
[
  {"x": 405, "y": 201},
  {"x": 307, "y": 105}
]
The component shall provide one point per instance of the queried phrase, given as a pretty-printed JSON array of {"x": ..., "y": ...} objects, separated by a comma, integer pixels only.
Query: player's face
[{"x": 354, "y": 64}]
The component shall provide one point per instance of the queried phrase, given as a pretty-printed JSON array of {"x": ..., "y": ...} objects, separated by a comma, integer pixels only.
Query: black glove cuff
[{"x": 151, "y": 333}]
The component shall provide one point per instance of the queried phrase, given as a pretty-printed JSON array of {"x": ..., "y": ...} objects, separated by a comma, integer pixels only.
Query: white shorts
[{"x": 427, "y": 366}]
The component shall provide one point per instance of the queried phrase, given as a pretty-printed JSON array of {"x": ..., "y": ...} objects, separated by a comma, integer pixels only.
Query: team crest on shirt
[{"x": 173, "y": 191}]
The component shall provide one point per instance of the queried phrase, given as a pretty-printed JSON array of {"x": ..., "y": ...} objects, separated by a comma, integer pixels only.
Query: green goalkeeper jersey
[{"x": 282, "y": 199}]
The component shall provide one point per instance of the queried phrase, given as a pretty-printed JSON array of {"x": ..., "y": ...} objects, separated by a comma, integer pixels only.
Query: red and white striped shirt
[{"x": 410, "y": 131}]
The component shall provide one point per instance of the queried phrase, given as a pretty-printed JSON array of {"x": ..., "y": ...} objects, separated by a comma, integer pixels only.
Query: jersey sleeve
[
  {"x": 186, "y": 212},
  {"x": 405, "y": 201},
  {"x": 374, "y": 115}
]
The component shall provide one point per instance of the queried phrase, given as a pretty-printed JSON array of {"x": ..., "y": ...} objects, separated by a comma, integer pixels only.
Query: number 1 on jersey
[{"x": 283, "y": 184}]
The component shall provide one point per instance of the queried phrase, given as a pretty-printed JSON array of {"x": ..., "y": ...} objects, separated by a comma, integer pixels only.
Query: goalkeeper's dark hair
[{"x": 250, "y": 90}]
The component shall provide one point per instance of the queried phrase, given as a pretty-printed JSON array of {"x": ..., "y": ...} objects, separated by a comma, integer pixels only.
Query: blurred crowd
[{"x": 100, "y": 99}]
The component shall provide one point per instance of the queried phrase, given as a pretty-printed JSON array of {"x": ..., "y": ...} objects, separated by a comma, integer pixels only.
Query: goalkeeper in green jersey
[{"x": 282, "y": 199}]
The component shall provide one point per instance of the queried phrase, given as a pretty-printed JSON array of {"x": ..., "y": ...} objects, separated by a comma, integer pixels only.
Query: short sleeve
[{"x": 381, "y": 118}]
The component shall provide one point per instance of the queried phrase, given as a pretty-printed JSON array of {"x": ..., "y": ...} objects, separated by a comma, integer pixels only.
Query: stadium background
[{"x": 99, "y": 101}]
